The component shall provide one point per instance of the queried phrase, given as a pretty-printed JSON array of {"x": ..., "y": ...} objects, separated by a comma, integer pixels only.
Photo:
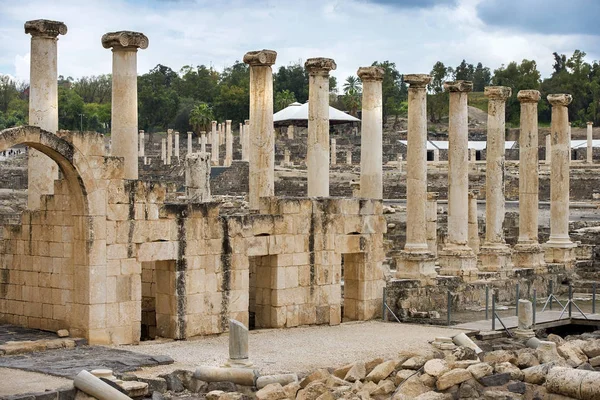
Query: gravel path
[
  {"x": 15, "y": 381},
  {"x": 300, "y": 349}
]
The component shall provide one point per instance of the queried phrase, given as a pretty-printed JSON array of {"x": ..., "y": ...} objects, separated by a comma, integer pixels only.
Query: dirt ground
[{"x": 14, "y": 381}]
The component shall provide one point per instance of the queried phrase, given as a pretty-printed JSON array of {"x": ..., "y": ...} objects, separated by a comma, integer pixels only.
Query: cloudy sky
[{"x": 412, "y": 33}]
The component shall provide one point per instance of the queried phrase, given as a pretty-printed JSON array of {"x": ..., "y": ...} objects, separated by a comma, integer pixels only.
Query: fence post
[
  {"x": 449, "y": 307},
  {"x": 534, "y": 305},
  {"x": 551, "y": 294},
  {"x": 383, "y": 308},
  {"x": 594, "y": 298},
  {"x": 517, "y": 300},
  {"x": 487, "y": 301},
  {"x": 493, "y": 311},
  {"x": 570, "y": 298}
]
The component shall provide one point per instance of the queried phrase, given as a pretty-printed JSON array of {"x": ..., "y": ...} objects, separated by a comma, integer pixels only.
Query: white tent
[
  {"x": 297, "y": 114},
  {"x": 473, "y": 144}
]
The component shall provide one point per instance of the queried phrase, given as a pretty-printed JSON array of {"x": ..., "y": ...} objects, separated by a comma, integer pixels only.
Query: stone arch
[{"x": 80, "y": 182}]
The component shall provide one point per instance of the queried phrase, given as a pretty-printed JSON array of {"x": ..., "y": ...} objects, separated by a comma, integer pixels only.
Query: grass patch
[{"x": 478, "y": 100}]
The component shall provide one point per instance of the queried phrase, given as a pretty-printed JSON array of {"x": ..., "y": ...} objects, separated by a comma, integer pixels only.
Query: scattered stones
[
  {"x": 495, "y": 380},
  {"x": 356, "y": 373},
  {"x": 436, "y": 367},
  {"x": 272, "y": 391},
  {"x": 500, "y": 356},
  {"x": 415, "y": 363},
  {"x": 506, "y": 367},
  {"x": 480, "y": 370},
  {"x": 62, "y": 333},
  {"x": 572, "y": 353},
  {"x": 381, "y": 371},
  {"x": 451, "y": 378}
]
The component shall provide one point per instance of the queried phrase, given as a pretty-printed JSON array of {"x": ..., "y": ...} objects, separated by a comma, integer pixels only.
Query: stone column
[
  {"x": 317, "y": 157},
  {"x": 432, "y": 198},
  {"x": 456, "y": 258},
  {"x": 559, "y": 246},
  {"x": 163, "y": 150},
  {"x": 495, "y": 254},
  {"x": 241, "y": 140},
  {"x": 189, "y": 143},
  {"x": 473, "y": 241},
  {"x": 333, "y": 152},
  {"x": 238, "y": 345},
  {"x": 43, "y": 104},
  {"x": 202, "y": 142},
  {"x": 262, "y": 143},
  {"x": 176, "y": 152},
  {"x": 527, "y": 252},
  {"x": 214, "y": 146},
  {"x": 400, "y": 160},
  {"x": 228, "y": 143},
  {"x": 286, "y": 158},
  {"x": 472, "y": 155},
  {"x": 141, "y": 140},
  {"x": 436, "y": 155},
  {"x": 548, "y": 148},
  {"x": 525, "y": 321},
  {"x": 222, "y": 134},
  {"x": 124, "y": 125},
  {"x": 590, "y": 144},
  {"x": 246, "y": 155},
  {"x": 349, "y": 157},
  {"x": 169, "y": 145},
  {"x": 197, "y": 177},
  {"x": 290, "y": 131},
  {"x": 371, "y": 151}
]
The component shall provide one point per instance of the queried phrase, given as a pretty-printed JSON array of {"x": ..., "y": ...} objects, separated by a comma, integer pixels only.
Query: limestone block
[
  {"x": 453, "y": 377},
  {"x": 436, "y": 367}
]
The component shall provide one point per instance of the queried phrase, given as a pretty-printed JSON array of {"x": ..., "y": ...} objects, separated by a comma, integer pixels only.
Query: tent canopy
[
  {"x": 297, "y": 114},
  {"x": 473, "y": 144}
]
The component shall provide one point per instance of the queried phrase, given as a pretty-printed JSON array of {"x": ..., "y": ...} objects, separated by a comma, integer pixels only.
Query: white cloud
[{"x": 22, "y": 67}]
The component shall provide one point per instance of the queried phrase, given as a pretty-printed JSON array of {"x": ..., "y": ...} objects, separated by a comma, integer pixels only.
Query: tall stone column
[
  {"x": 141, "y": 152},
  {"x": 548, "y": 149},
  {"x": 228, "y": 143},
  {"x": 246, "y": 156},
  {"x": 43, "y": 104},
  {"x": 371, "y": 152},
  {"x": 163, "y": 150},
  {"x": 241, "y": 140},
  {"x": 189, "y": 143},
  {"x": 349, "y": 157},
  {"x": 456, "y": 258},
  {"x": 495, "y": 254},
  {"x": 317, "y": 157},
  {"x": 169, "y": 145},
  {"x": 590, "y": 144},
  {"x": 527, "y": 252},
  {"x": 203, "y": 142},
  {"x": 176, "y": 148},
  {"x": 214, "y": 146},
  {"x": 290, "y": 131},
  {"x": 333, "y": 152},
  {"x": 416, "y": 261},
  {"x": 473, "y": 241},
  {"x": 261, "y": 134},
  {"x": 436, "y": 155},
  {"x": 197, "y": 177},
  {"x": 124, "y": 125},
  {"x": 559, "y": 247},
  {"x": 432, "y": 198}
]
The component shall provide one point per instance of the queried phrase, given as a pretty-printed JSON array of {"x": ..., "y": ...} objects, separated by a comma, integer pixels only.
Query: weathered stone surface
[
  {"x": 480, "y": 370},
  {"x": 434, "y": 396},
  {"x": 546, "y": 352},
  {"x": 451, "y": 378},
  {"x": 506, "y": 367},
  {"x": 357, "y": 372},
  {"x": 282, "y": 379},
  {"x": 592, "y": 348},
  {"x": 572, "y": 353},
  {"x": 403, "y": 375},
  {"x": 381, "y": 371},
  {"x": 462, "y": 353},
  {"x": 311, "y": 391},
  {"x": 495, "y": 380},
  {"x": 575, "y": 383},
  {"x": 526, "y": 360},
  {"x": 317, "y": 375},
  {"x": 415, "y": 363},
  {"x": 385, "y": 387},
  {"x": 291, "y": 390},
  {"x": 517, "y": 387},
  {"x": 62, "y": 333},
  {"x": 436, "y": 367},
  {"x": 370, "y": 365},
  {"x": 555, "y": 338},
  {"x": 537, "y": 374},
  {"x": 272, "y": 391},
  {"x": 342, "y": 371},
  {"x": 412, "y": 387},
  {"x": 500, "y": 395},
  {"x": 214, "y": 394},
  {"x": 500, "y": 356}
]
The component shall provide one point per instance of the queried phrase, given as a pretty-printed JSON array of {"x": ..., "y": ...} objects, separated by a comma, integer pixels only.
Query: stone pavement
[{"x": 16, "y": 333}]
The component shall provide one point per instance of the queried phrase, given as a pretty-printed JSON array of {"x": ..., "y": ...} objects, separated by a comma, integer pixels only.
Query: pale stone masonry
[
  {"x": 214, "y": 144},
  {"x": 43, "y": 103},
  {"x": 290, "y": 132},
  {"x": 163, "y": 150},
  {"x": 246, "y": 144},
  {"x": 176, "y": 148},
  {"x": 333, "y": 152},
  {"x": 371, "y": 153},
  {"x": 590, "y": 148},
  {"x": 495, "y": 255},
  {"x": 202, "y": 142},
  {"x": 527, "y": 252},
  {"x": 473, "y": 241},
  {"x": 189, "y": 143},
  {"x": 349, "y": 157},
  {"x": 317, "y": 156},
  {"x": 169, "y": 145},
  {"x": 197, "y": 177},
  {"x": 548, "y": 149},
  {"x": 559, "y": 247},
  {"x": 456, "y": 258},
  {"x": 432, "y": 198},
  {"x": 261, "y": 135},
  {"x": 124, "y": 111},
  {"x": 141, "y": 150},
  {"x": 228, "y": 144}
]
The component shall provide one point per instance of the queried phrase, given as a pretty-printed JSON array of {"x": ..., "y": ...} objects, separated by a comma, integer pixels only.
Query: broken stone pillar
[
  {"x": 472, "y": 155},
  {"x": 141, "y": 140},
  {"x": 124, "y": 116},
  {"x": 262, "y": 142},
  {"x": 222, "y": 134},
  {"x": 317, "y": 156},
  {"x": 400, "y": 160},
  {"x": 176, "y": 152},
  {"x": 436, "y": 155},
  {"x": 473, "y": 241},
  {"x": 290, "y": 131},
  {"x": 415, "y": 260},
  {"x": 456, "y": 258},
  {"x": 238, "y": 345},
  {"x": 189, "y": 143},
  {"x": 214, "y": 144},
  {"x": 333, "y": 152},
  {"x": 286, "y": 157},
  {"x": 432, "y": 198},
  {"x": 527, "y": 252},
  {"x": 202, "y": 142},
  {"x": 169, "y": 145},
  {"x": 163, "y": 150},
  {"x": 559, "y": 247},
  {"x": 495, "y": 254},
  {"x": 574, "y": 383},
  {"x": 548, "y": 149},
  {"x": 371, "y": 152},
  {"x": 349, "y": 157},
  {"x": 219, "y": 133},
  {"x": 246, "y": 153},
  {"x": 228, "y": 144},
  {"x": 590, "y": 145},
  {"x": 524, "y": 328},
  {"x": 197, "y": 177},
  {"x": 43, "y": 104}
]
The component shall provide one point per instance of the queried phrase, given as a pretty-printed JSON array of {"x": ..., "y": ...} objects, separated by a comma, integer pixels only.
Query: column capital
[
  {"x": 528, "y": 96},
  {"x": 590, "y": 123},
  {"x": 497, "y": 92},
  {"x": 228, "y": 121},
  {"x": 141, "y": 131},
  {"x": 370, "y": 73},
  {"x": 260, "y": 57},
  {"x": 124, "y": 40},
  {"x": 560, "y": 99},
  {"x": 458, "y": 86},
  {"x": 417, "y": 80},
  {"x": 319, "y": 66},
  {"x": 45, "y": 28}
]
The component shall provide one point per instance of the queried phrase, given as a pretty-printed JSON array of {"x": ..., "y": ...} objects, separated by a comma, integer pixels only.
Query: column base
[
  {"x": 458, "y": 261},
  {"x": 560, "y": 252},
  {"x": 494, "y": 258},
  {"x": 524, "y": 333},
  {"x": 416, "y": 265},
  {"x": 529, "y": 255},
  {"x": 239, "y": 363}
]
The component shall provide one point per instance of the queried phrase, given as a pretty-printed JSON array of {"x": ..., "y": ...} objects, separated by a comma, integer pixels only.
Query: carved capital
[
  {"x": 497, "y": 92},
  {"x": 590, "y": 123},
  {"x": 417, "y": 80},
  {"x": 45, "y": 28},
  {"x": 124, "y": 40},
  {"x": 319, "y": 66},
  {"x": 458, "y": 86},
  {"x": 260, "y": 57},
  {"x": 529, "y": 96},
  {"x": 560, "y": 99},
  {"x": 370, "y": 73}
]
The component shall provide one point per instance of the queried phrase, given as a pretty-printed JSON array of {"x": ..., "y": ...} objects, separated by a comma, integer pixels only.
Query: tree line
[{"x": 190, "y": 98}]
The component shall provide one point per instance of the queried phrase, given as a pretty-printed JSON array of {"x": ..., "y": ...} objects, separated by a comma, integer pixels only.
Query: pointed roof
[{"x": 297, "y": 114}]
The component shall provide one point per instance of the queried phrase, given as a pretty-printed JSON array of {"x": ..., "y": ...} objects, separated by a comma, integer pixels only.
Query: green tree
[
  {"x": 394, "y": 90},
  {"x": 283, "y": 99},
  {"x": 201, "y": 117},
  {"x": 352, "y": 85},
  {"x": 233, "y": 99},
  {"x": 464, "y": 71},
  {"x": 70, "y": 108},
  {"x": 158, "y": 100},
  {"x": 481, "y": 78},
  {"x": 517, "y": 77},
  {"x": 293, "y": 78},
  {"x": 352, "y": 94},
  {"x": 199, "y": 83},
  {"x": 437, "y": 101},
  {"x": 94, "y": 89}
]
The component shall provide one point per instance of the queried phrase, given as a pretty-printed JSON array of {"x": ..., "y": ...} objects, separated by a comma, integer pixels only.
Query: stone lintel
[
  {"x": 45, "y": 28},
  {"x": 370, "y": 73},
  {"x": 497, "y": 92},
  {"x": 528, "y": 96},
  {"x": 433, "y": 196},
  {"x": 319, "y": 66},
  {"x": 417, "y": 80},
  {"x": 560, "y": 99},
  {"x": 124, "y": 40},
  {"x": 458, "y": 86},
  {"x": 260, "y": 57}
]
